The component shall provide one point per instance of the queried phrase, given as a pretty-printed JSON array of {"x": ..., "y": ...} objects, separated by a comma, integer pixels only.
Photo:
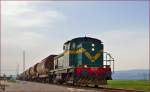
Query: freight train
[{"x": 82, "y": 62}]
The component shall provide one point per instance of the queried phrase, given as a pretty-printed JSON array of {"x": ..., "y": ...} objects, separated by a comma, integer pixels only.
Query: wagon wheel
[{"x": 96, "y": 86}]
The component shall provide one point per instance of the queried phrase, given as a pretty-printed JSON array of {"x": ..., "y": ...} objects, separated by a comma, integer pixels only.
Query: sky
[{"x": 41, "y": 27}]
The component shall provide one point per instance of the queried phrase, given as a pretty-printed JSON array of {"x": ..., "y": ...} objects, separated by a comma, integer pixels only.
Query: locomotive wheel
[
  {"x": 61, "y": 82},
  {"x": 87, "y": 85},
  {"x": 75, "y": 83},
  {"x": 54, "y": 81}
]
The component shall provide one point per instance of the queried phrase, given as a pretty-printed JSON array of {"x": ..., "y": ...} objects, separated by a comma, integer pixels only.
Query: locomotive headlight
[
  {"x": 85, "y": 66},
  {"x": 93, "y": 49},
  {"x": 93, "y": 44}
]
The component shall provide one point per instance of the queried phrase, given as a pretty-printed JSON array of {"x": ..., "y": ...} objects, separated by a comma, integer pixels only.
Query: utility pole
[
  {"x": 17, "y": 69},
  {"x": 0, "y": 47},
  {"x": 0, "y": 61},
  {"x": 23, "y": 60}
]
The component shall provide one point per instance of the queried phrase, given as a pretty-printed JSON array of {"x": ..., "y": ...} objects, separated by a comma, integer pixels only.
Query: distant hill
[{"x": 131, "y": 75}]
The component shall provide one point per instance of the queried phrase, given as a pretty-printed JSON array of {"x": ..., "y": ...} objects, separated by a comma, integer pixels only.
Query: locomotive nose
[
  {"x": 87, "y": 72},
  {"x": 84, "y": 73},
  {"x": 93, "y": 72}
]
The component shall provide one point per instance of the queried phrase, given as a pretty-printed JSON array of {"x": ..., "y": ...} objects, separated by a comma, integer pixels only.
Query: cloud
[
  {"x": 26, "y": 15},
  {"x": 23, "y": 27},
  {"x": 22, "y": 22}
]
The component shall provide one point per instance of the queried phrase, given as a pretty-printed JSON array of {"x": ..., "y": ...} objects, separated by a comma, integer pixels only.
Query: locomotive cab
[{"x": 86, "y": 52}]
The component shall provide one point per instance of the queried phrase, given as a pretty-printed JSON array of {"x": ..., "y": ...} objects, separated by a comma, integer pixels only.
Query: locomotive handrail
[
  {"x": 111, "y": 59},
  {"x": 61, "y": 69}
]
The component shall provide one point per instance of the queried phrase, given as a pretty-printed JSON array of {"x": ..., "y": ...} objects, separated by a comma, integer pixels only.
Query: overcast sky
[{"x": 41, "y": 28}]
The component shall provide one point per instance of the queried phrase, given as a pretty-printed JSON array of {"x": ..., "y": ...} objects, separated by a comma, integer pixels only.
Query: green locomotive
[{"x": 82, "y": 62}]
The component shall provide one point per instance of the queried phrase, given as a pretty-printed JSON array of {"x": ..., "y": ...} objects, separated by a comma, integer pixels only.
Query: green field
[{"x": 130, "y": 84}]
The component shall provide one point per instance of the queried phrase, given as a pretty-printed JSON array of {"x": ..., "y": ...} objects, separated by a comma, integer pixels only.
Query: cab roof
[{"x": 82, "y": 39}]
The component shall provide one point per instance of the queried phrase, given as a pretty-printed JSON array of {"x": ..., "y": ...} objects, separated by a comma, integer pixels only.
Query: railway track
[
  {"x": 101, "y": 89},
  {"x": 120, "y": 90},
  {"x": 90, "y": 87},
  {"x": 104, "y": 89}
]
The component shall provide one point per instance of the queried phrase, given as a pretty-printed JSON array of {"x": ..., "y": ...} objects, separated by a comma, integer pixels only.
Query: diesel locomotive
[{"x": 82, "y": 62}]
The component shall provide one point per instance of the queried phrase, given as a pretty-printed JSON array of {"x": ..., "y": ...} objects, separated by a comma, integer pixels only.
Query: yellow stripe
[{"x": 87, "y": 54}]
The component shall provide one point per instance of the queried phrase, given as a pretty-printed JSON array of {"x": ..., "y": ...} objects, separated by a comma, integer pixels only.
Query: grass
[{"x": 130, "y": 84}]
